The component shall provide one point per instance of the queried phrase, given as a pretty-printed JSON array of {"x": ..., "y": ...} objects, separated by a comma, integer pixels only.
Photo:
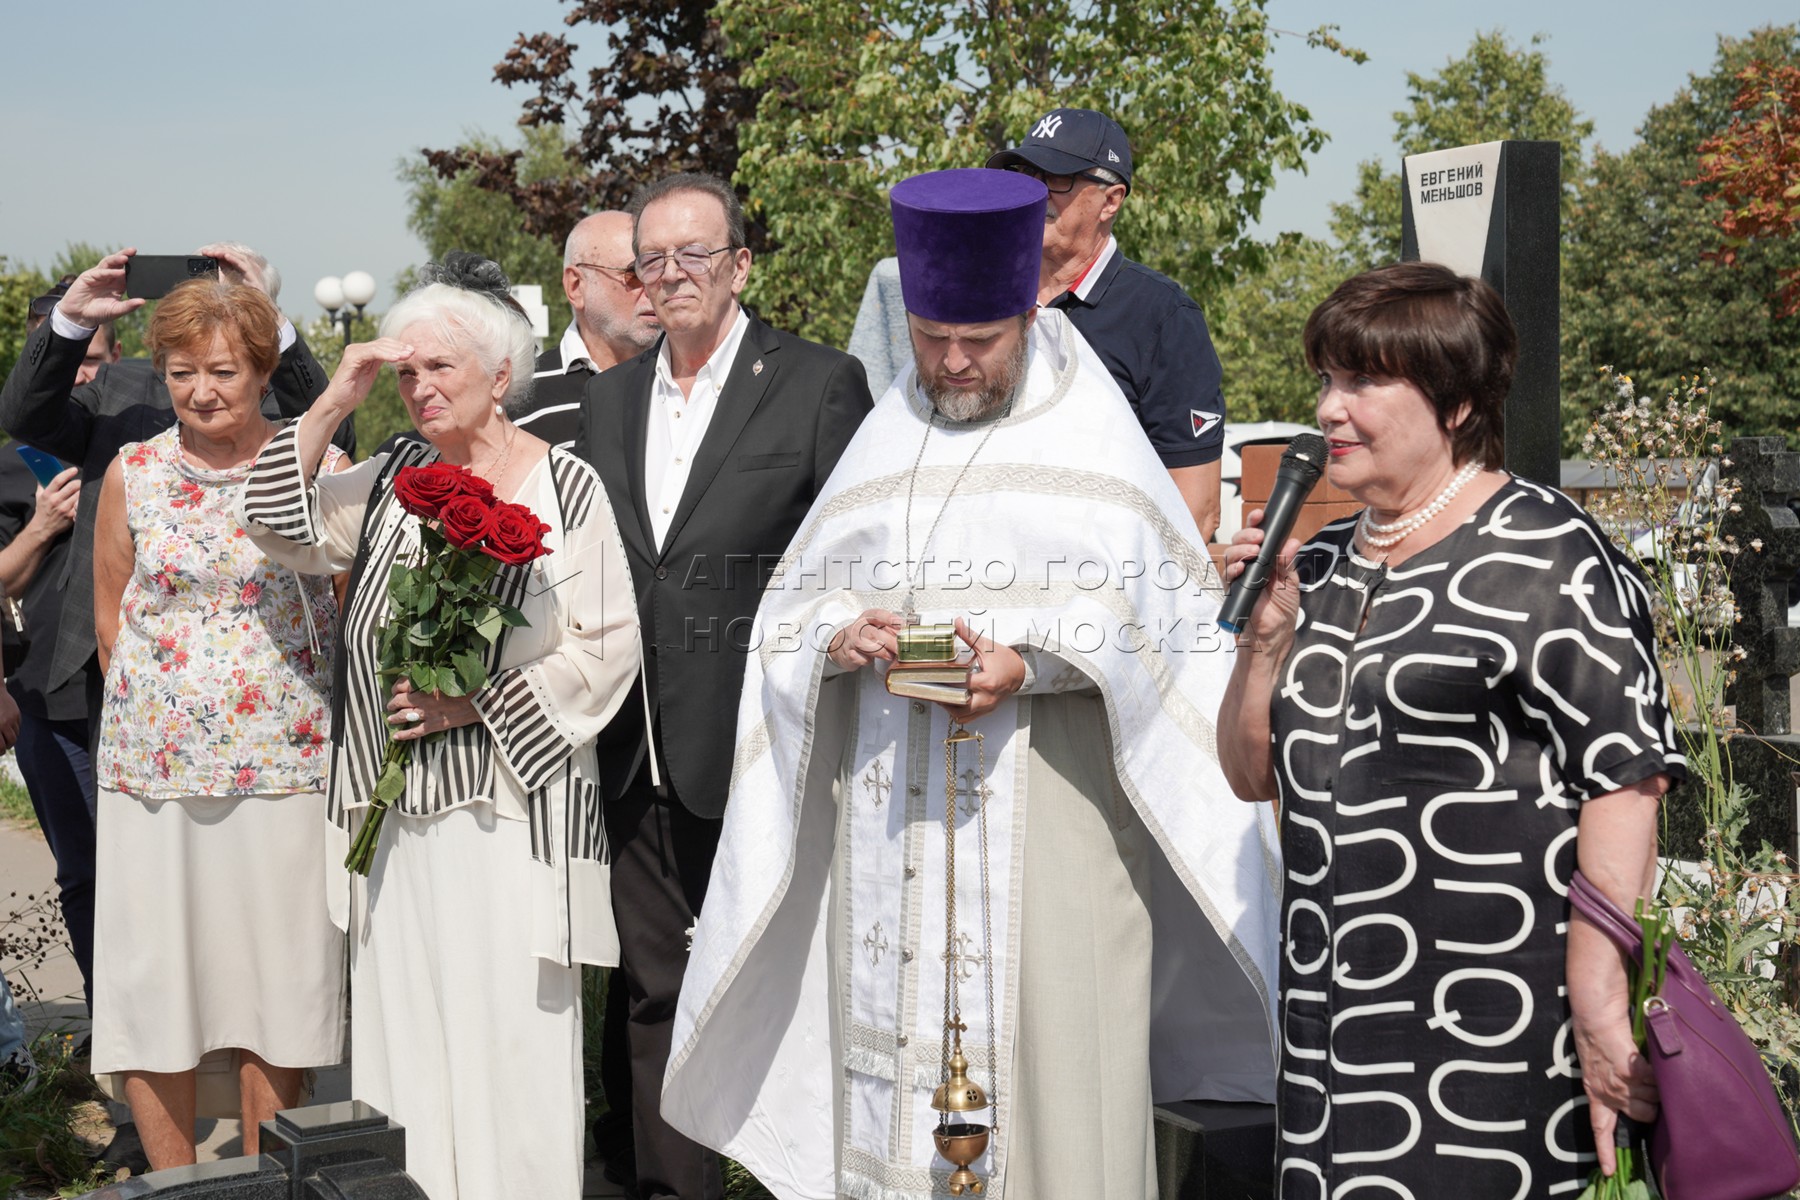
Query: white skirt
[
  {"x": 460, "y": 1033},
  {"x": 211, "y": 931}
]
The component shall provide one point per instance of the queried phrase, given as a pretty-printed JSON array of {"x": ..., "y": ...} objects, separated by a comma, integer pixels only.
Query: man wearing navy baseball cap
[{"x": 1149, "y": 333}]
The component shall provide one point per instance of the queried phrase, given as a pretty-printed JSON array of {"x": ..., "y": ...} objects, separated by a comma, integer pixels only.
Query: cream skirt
[
  {"x": 210, "y": 930},
  {"x": 460, "y": 1033}
]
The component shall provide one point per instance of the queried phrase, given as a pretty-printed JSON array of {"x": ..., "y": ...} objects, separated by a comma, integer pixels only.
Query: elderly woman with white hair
[{"x": 490, "y": 881}]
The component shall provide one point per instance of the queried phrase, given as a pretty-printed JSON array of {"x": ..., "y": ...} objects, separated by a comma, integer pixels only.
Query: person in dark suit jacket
[
  {"x": 712, "y": 446},
  {"x": 126, "y": 401}
]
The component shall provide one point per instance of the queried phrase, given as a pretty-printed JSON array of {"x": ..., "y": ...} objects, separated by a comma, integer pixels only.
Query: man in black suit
[
  {"x": 712, "y": 446},
  {"x": 612, "y": 322}
]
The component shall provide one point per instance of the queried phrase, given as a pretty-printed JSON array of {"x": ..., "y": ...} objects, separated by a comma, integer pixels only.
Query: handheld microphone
[{"x": 1301, "y": 465}]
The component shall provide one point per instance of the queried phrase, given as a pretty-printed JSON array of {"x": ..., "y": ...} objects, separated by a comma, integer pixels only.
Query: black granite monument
[
  {"x": 1494, "y": 210},
  {"x": 343, "y": 1151}
]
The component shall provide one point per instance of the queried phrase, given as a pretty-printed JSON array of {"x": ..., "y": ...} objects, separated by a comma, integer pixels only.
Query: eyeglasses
[
  {"x": 627, "y": 274},
  {"x": 1057, "y": 183},
  {"x": 695, "y": 261}
]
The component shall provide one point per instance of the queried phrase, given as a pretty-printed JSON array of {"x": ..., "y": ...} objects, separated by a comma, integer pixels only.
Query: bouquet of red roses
[{"x": 443, "y": 617}]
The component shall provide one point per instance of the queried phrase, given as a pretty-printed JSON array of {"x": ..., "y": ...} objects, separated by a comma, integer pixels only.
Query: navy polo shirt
[{"x": 1153, "y": 339}]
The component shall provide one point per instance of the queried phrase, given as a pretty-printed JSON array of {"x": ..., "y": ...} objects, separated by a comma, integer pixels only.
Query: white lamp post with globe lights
[{"x": 337, "y": 296}]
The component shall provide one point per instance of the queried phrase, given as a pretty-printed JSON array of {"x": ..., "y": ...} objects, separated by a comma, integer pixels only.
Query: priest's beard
[{"x": 996, "y": 393}]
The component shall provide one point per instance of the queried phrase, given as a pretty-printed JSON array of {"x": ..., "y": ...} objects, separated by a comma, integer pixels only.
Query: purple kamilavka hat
[{"x": 969, "y": 241}]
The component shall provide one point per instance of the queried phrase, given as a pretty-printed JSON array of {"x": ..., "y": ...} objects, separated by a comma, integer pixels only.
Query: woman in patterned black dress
[{"x": 1455, "y": 697}]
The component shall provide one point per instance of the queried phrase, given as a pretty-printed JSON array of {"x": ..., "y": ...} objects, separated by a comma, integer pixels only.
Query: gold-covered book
[
  {"x": 942, "y": 681},
  {"x": 951, "y": 672}
]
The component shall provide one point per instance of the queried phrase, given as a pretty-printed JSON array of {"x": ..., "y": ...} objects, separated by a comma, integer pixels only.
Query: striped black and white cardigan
[{"x": 534, "y": 745}]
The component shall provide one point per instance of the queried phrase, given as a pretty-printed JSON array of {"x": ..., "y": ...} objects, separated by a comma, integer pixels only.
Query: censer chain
[
  {"x": 952, "y": 1007},
  {"x": 987, "y": 931},
  {"x": 952, "y": 995}
]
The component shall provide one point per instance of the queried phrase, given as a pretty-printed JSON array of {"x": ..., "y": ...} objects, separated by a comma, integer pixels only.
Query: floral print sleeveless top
[{"x": 220, "y": 680}]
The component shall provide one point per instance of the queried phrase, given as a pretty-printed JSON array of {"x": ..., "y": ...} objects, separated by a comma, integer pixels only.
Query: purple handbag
[{"x": 1722, "y": 1133}]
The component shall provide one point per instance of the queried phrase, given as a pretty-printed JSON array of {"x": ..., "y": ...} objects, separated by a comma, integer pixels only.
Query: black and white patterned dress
[{"x": 1436, "y": 729}]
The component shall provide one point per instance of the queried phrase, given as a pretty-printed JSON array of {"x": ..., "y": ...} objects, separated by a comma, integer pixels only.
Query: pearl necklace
[
  {"x": 1383, "y": 536},
  {"x": 492, "y": 471}
]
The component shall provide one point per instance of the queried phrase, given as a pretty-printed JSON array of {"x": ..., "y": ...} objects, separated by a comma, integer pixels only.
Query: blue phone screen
[{"x": 45, "y": 466}]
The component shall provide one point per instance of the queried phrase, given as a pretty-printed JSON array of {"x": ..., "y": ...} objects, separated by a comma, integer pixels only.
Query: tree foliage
[
  {"x": 463, "y": 213},
  {"x": 19, "y": 285},
  {"x": 1256, "y": 326},
  {"x": 1639, "y": 292},
  {"x": 667, "y": 97},
  {"x": 858, "y": 94},
  {"x": 1755, "y": 166}
]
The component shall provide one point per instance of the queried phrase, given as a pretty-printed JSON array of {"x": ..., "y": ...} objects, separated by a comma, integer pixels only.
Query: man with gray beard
[
  {"x": 913, "y": 893},
  {"x": 612, "y": 321}
]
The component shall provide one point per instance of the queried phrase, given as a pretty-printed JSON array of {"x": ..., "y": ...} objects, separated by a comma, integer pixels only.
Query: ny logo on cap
[{"x": 1047, "y": 127}]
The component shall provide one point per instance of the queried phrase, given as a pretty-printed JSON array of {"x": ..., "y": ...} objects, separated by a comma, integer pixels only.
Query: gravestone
[
  {"x": 1494, "y": 210},
  {"x": 1213, "y": 1150},
  {"x": 343, "y": 1151},
  {"x": 1764, "y": 754}
]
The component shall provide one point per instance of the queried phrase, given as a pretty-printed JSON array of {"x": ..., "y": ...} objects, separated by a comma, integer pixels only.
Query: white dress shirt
[
  {"x": 678, "y": 424},
  {"x": 573, "y": 351}
]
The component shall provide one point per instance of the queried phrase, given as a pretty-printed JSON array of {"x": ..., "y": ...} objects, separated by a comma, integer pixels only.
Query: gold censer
[{"x": 960, "y": 1140}]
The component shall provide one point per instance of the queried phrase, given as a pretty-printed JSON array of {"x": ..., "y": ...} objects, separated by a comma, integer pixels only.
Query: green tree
[
  {"x": 1638, "y": 291},
  {"x": 1496, "y": 90},
  {"x": 460, "y": 213},
  {"x": 666, "y": 97},
  {"x": 1256, "y": 326},
  {"x": 19, "y": 285},
  {"x": 858, "y": 94}
]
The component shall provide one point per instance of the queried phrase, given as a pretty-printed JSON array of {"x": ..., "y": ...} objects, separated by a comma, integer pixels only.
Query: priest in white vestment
[{"x": 1115, "y": 929}]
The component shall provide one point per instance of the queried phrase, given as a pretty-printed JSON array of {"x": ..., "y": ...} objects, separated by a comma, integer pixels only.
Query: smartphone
[
  {"x": 153, "y": 276},
  {"x": 45, "y": 466}
]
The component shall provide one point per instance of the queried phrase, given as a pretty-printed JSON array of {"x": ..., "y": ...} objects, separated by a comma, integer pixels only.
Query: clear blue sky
[{"x": 166, "y": 125}]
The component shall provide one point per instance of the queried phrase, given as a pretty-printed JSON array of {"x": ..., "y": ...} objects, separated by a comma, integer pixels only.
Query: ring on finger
[{"x": 414, "y": 716}]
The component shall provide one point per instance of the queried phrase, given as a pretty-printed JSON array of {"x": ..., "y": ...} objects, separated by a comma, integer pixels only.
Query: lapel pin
[{"x": 756, "y": 367}]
